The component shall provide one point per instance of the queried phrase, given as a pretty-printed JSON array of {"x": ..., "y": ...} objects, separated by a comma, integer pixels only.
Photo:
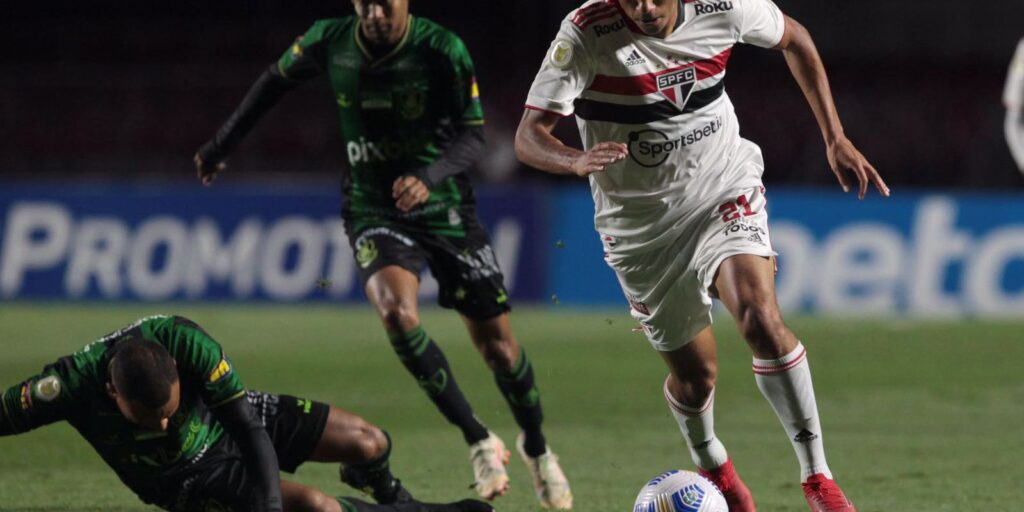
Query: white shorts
[{"x": 667, "y": 288}]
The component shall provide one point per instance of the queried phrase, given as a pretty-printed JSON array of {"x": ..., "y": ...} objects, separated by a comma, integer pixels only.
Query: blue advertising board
[
  {"x": 915, "y": 253},
  {"x": 190, "y": 243}
]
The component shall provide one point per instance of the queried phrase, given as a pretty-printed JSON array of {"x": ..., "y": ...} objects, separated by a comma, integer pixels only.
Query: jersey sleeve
[
  {"x": 1013, "y": 94},
  {"x": 566, "y": 71},
  {"x": 199, "y": 357},
  {"x": 46, "y": 398},
  {"x": 761, "y": 23},
  {"x": 307, "y": 56},
  {"x": 465, "y": 92}
]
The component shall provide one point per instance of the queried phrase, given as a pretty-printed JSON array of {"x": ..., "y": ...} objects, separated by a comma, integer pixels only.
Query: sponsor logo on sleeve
[{"x": 222, "y": 369}]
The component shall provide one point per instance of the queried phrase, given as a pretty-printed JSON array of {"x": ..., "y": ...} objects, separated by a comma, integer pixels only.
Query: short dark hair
[{"x": 143, "y": 372}]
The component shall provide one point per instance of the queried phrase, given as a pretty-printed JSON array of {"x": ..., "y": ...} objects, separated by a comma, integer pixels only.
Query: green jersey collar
[{"x": 394, "y": 51}]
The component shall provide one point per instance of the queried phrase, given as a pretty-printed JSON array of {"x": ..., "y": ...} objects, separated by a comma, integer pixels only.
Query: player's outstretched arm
[
  {"x": 538, "y": 148},
  {"x": 242, "y": 424},
  {"x": 843, "y": 157},
  {"x": 262, "y": 96}
]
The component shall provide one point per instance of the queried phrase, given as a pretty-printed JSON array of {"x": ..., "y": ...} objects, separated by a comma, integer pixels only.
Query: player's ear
[{"x": 111, "y": 391}]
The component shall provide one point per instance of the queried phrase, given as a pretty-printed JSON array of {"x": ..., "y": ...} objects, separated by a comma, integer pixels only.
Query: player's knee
[
  {"x": 500, "y": 354},
  {"x": 695, "y": 387},
  {"x": 398, "y": 315},
  {"x": 761, "y": 325},
  {"x": 370, "y": 444},
  {"x": 312, "y": 500}
]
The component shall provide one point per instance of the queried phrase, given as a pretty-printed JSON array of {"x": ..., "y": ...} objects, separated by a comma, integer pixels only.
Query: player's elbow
[{"x": 524, "y": 141}]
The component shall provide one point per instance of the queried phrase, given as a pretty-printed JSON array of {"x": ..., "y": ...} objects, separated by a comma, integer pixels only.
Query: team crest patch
[
  {"x": 366, "y": 253},
  {"x": 412, "y": 102},
  {"x": 47, "y": 389},
  {"x": 677, "y": 86}
]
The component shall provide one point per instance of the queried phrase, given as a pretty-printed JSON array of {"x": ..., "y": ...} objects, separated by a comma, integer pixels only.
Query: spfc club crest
[{"x": 677, "y": 86}]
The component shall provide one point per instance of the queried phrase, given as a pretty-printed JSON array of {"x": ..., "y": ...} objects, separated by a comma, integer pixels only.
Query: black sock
[
  {"x": 375, "y": 478},
  {"x": 519, "y": 389},
  {"x": 424, "y": 359}
]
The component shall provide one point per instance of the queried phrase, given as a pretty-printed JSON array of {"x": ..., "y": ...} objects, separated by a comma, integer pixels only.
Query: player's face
[
  {"x": 654, "y": 17},
  {"x": 383, "y": 21},
  {"x": 145, "y": 417}
]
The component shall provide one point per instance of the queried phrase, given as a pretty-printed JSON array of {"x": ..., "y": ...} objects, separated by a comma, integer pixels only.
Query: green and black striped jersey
[
  {"x": 399, "y": 112},
  {"x": 74, "y": 390}
]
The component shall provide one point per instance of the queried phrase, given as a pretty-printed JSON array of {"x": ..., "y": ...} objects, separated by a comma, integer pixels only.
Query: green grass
[{"x": 918, "y": 416}]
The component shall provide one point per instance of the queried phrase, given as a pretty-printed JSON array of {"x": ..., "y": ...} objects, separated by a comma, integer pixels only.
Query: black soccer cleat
[
  {"x": 385, "y": 490},
  {"x": 459, "y": 506}
]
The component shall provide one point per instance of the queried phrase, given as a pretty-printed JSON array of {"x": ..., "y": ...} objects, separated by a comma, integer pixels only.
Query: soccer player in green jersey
[
  {"x": 164, "y": 407},
  {"x": 411, "y": 122}
]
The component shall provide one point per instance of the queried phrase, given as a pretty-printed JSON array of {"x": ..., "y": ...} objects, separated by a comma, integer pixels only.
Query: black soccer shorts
[
  {"x": 466, "y": 268},
  {"x": 221, "y": 483}
]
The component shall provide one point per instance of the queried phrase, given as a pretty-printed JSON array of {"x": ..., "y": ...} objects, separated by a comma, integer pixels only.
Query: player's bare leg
[
  {"x": 515, "y": 378},
  {"x": 690, "y": 393},
  {"x": 393, "y": 292},
  {"x": 746, "y": 285},
  {"x": 364, "y": 452},
  {"x": 301, "y": 498}
]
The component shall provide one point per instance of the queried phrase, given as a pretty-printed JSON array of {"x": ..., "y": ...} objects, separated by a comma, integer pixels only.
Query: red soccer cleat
[
  {"x": 735, "y": 491},
  {"x": 823, "y": 495}
]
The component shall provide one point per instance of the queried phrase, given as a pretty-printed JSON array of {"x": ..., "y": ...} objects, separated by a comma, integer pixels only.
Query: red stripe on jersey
[
  {"x": 602, "y": 16},
  {"x": 590, "y": 10},
  {"x": 629, "y": 21},
  {"x": 638, "y": 85}
]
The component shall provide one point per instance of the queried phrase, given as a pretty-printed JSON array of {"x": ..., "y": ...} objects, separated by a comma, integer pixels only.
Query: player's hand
[
  {"x": 845, "y": 159},
  {"x": 598, "y": 158},
  {"x": 206, "y": 171},
  {"x": 409, "y": 192}
]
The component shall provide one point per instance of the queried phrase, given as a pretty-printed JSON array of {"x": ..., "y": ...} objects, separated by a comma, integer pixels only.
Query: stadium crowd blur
[{"x": 126, "y": 91}]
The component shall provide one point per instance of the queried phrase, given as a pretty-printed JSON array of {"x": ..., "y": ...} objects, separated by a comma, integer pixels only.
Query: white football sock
[
  {"x": 698, "y": 427},
  {"x": 786, "y": 383}
]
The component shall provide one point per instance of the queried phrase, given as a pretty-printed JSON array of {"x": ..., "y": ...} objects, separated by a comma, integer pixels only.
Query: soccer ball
[{"x": 680, "y": 491}]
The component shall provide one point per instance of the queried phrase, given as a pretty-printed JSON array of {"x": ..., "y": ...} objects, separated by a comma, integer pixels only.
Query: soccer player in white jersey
[
  {"x": 1013, "y": 98},
  {"x": 678, "y": 198}
]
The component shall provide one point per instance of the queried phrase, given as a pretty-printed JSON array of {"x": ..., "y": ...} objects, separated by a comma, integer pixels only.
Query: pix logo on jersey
[{"x": 677, "y": 86}]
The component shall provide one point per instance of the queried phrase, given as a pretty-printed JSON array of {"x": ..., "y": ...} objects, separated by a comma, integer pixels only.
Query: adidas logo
[
  {"x": 755, "y": 238},
  {"x": 805, "y": 436},
  {"x": 635, "y": 58}
]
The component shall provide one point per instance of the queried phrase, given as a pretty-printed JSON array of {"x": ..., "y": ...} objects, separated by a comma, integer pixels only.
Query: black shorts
[
  {"x": 466, "y": 268},
  {"x": 221, "y": 482}
]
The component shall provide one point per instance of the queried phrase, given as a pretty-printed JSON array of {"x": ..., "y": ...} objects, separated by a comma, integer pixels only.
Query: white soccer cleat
[
  {"x": 548, "y": 479},
  {"x": 489, "y": 458}
]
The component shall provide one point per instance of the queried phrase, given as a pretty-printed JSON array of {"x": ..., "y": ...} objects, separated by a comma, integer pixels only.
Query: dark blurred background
[{"x": 126, "y": 91}]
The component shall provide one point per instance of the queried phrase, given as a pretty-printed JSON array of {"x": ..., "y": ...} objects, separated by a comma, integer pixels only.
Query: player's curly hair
[{"x": 143, "y": 372}]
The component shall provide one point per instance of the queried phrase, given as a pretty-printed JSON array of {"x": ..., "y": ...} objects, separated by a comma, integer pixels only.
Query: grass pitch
[{"x": 918, "y": 416}]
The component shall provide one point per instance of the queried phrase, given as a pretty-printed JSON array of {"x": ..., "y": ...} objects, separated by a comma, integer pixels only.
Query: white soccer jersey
[
  {"x": 1013, "y": 95},
  {"x": 665, "y": 98}
]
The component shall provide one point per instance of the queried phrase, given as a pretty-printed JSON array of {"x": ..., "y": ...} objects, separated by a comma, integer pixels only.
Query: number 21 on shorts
[{"x": 732, "y": 210}]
